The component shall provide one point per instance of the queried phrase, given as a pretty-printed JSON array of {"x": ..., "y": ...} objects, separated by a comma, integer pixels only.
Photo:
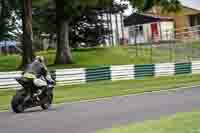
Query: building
[
  {"x": 8, "y": 47},
  {"x": 155, "y": 25},
  {"x": 145, "y": 28},
  {"x": 186, "y": 20}
]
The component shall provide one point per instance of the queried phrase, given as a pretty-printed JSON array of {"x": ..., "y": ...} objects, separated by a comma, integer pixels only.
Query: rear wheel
[
  {"x": 17, "y": 103},
  {"x": 48, "y": 104}
]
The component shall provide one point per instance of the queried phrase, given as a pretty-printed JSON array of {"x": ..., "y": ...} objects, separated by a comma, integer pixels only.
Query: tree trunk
[
  {"x": 63, "y": 54},
  {"x": 27, "y": 33},
  {"x": 2, "y": 8}
]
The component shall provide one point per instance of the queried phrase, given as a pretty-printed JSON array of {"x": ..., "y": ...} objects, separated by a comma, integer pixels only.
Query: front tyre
[
  {"x": 48, "y": 104},
  {"x": 17, "y": 103}
]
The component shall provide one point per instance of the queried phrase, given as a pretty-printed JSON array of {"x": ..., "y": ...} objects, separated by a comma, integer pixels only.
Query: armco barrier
[
  {"x": 7, "y": 79},
  {"x": 70, "y": 76},
  {"x": 95, "y": 74},
  {"x": 196, "y": 67},
  {"x": 121, "y": 72},
  {"x": 183, "y": 68},
  {"x": 165, "y": 69},
  {"x": 144, "y": 71}
]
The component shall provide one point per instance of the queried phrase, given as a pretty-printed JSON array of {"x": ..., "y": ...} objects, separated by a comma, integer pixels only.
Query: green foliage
[
  {"x": 39, "y": 3},
  {"x": 73, "y": 8},
  {"x": 66, "y": 11},
  {"x": 11, "y": 15},
  {"x": 168, "y": 5},
  {"x": 171, "y": 6},
  {"x": 7, "y": 23},
  {"x": 86, "y": 25},
  {"x": 91, "y": 27},
  {"x": 43, "y": 20}
]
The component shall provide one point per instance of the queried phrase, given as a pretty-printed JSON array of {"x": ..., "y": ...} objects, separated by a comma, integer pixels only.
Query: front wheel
[
  {"x": 47, "y": 105},
  {"x": 17, "y": 103}
]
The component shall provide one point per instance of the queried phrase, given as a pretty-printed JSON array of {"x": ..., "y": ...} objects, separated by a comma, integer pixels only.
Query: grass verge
[
  {"x": 179, "y": 123},
  {"x": 108, "y": 89},
  {"x": 95, "y": 57},
  {"x": 91, "y": 57}
]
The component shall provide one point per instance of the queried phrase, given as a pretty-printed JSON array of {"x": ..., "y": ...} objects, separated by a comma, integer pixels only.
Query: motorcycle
[{"x": 27, "y": 97}]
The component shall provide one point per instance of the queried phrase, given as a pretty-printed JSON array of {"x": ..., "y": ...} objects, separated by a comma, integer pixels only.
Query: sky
[{"x": 191, "y": 3}]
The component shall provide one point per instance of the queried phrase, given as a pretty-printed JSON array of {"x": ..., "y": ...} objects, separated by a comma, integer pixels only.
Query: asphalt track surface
[{"x": 87, "y": 117}]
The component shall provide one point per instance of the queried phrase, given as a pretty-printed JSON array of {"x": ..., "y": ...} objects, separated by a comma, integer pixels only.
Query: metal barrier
[
  {"x": 123, "y": 72},
  {"x": 95, "y": 74},
  {"x": 113, "y": 73},
  {"x": 70, "y": 76},
  {"x": 173, "y": 45}
]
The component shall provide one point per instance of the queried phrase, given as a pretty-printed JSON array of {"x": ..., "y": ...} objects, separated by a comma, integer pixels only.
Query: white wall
[{"x": 165, "y": 30}]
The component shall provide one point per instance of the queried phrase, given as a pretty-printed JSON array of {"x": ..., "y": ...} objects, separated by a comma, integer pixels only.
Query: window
[{"x": 192, "y": 20}]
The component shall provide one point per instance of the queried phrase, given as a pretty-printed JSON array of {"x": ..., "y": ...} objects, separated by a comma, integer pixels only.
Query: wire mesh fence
[{"x": 183, "y": 45}]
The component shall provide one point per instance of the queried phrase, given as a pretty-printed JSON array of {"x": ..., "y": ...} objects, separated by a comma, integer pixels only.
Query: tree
[
  {"x": 168, "y": 5},
  {"x": 92, "y": 27},
  {"x": 89, "y": 28},
  {"x": 28, "y": 53},
  {"x": 7, "y": 23},
  {"x": 11, "y": 12},
  {"x": 27, "y": 33},
  {"x": 63, "y": 54},
  {"x": 65, "y": 11},
  {"x": 22, "y": 9}
]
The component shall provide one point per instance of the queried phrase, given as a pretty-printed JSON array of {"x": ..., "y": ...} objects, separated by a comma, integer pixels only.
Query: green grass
[
  {"x": 108, "y": 89},
  {"x": 95, "y": 57},
  {"x": 179, "y": 123},
  {"x": 8, "y": 63}
]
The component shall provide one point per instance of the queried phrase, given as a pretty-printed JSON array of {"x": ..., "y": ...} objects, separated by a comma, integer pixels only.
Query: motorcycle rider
[{"x": 39, "y": 70}]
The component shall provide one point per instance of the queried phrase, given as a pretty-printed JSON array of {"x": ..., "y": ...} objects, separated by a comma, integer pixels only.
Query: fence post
[
  {"x": 171, "y": 49},
  {"x": 151, "y": 56}
]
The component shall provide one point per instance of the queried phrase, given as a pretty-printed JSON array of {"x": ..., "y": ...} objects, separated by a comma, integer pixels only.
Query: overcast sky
[{"x": 191, "y": 3}]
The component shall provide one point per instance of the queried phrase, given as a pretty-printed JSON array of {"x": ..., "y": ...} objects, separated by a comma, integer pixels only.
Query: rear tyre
[
  {"x": 48, "y": 104},
  {"x": 17, "y": 103}
]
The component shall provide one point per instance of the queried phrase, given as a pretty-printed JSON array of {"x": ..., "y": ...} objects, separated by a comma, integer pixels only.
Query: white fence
[{"x": 63, "y": 77}]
